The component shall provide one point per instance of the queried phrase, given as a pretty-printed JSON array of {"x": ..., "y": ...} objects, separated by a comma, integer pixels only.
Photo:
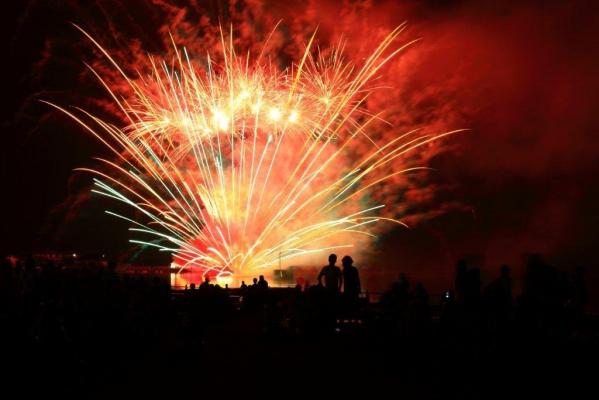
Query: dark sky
[{"x": 522, "y": 76}]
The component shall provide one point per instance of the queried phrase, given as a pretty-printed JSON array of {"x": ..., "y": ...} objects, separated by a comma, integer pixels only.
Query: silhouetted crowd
[{"x": 72, "y": 328}]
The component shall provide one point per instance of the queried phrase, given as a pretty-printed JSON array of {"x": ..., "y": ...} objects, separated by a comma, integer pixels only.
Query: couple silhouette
[{"x": 335, "y": 279}]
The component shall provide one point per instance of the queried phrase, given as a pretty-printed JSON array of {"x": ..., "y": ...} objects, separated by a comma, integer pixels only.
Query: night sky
[{"x": 522, "y": 76}]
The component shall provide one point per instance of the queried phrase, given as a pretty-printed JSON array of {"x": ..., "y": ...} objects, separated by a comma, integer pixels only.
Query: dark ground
[{"x": 90, "y": 333}]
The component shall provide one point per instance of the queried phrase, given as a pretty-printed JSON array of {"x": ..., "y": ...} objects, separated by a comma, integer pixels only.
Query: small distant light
[
  {"x": 221, "y": 120},
  {"x": 74, "y": 255},
  {"x": 244, "y": 94},
  {"x": 186, "y": 121},
  {"x": 293, "y": 116},
  {"x": 274, "y": 114},
  {"x": 325, "y": 100}
]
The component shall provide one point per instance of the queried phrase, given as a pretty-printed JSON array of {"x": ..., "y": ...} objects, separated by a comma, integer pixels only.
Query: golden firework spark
[{"x": 239, "y": 165}]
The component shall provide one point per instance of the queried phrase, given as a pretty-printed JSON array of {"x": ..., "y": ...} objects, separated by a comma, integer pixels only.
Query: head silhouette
[
  {"x": 347, "y": 261},
  {"x": 332, "y": 259}
]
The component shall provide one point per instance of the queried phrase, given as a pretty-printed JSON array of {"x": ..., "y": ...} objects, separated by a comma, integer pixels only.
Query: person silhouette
[
  {"x": 504, "y": 287},
  {"x": 333, "y": 278},
  {"x": 461, "y": 280},
  {"x": 206, "y": 284},
  {"x": 351, "y": 286},
  {"x": 351, "y": 279},
  {"x": 580, "y": 293},
  {"x": 262, "y": 283}
]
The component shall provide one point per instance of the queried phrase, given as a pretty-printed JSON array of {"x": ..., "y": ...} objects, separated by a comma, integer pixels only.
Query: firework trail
[{"x": 235, "y": 166}]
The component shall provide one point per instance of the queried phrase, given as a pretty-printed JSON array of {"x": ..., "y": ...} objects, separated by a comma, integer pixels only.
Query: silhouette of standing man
[
  {"x": 332, "y": 275},
  {"x": 351, "y": 279}
]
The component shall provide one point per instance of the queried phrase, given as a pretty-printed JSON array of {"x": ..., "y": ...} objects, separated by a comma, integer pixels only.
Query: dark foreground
[{"x": 90, "y": 333}]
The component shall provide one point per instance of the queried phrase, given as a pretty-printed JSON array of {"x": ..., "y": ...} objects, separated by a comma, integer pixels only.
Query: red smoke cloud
[{"x": 520, "y": 76}]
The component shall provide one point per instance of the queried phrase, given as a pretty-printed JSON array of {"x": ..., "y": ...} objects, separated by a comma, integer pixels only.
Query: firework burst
[{"x": 235, "y": 166}]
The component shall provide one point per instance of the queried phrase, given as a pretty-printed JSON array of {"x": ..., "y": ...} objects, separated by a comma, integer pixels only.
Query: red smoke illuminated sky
[{"x": 521, "y": 75}]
